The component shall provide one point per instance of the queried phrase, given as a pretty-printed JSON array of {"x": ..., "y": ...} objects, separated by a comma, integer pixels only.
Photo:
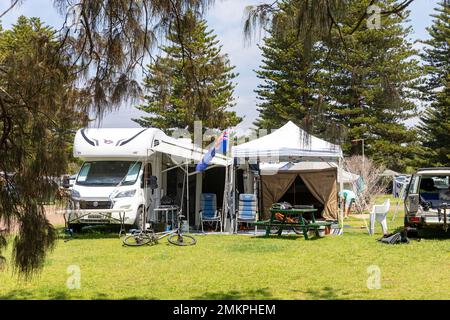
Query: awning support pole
[
  {"x": 198, "y": 192},
  {"x": 187, "y": 196},
  {"x": 341, "y": 187}
]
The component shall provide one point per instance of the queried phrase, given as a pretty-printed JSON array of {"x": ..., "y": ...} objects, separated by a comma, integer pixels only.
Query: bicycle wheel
[
  {"x": 181, "y": 240},
  {"x": 136, "y": 240}
]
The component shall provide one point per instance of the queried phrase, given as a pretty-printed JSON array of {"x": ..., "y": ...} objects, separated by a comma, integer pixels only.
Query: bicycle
[{"x": 143, "y": 237}]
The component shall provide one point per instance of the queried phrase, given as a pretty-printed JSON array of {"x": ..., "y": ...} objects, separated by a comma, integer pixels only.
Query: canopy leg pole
[
  {"x": 187, "y": 196},
  {"x": 223, "y": 215},
  {"x": 231, "y": 197},
  {"x": 341, "y": 187},
  {"x": 198, "y": 192}
]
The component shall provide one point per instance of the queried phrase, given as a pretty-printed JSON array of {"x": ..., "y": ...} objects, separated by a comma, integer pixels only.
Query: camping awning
[
  {"x": 288, "y": 143},
  {"x": 182, "y": 151}
]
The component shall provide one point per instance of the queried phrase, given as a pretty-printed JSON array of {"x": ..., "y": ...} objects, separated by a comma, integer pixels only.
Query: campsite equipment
[
  {"x": 290, "y": 143},
  {"x": 302, "y": 223},
  {"x": 401, "y": 197},
  {"x": 248, "y": 211},
  {"x": 149, "y": 236},
  {"x": 184, "y": 226},
  {"x": 282, "y": 205},
  {"x": 379, "y": 213},
  {"x": 167, "y": 201},
  {"x": 396, "y": 238},
  {"x": 208, "y": 210},
  {"x": 166, "y": 214},
  {"x": 281, "y": 217},
  {"x": 320, "y": 186}
]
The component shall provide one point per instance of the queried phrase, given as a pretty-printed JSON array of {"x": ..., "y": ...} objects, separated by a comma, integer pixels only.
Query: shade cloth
[{"x": 321, "y": 183}]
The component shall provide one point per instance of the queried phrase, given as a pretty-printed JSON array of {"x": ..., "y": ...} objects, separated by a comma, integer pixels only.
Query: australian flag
[{"x": 219, "y": 145}]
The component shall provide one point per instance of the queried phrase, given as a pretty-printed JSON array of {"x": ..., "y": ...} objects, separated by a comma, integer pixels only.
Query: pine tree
[
  {"x": 354, "y": 85},
  {"x": 192, "y": 81},
  {"x": 373, "y": 76},
  {"x": 291, "y": 79},
  {"x": 40, "y": 105},
  {"x": 435, "y": 122}
]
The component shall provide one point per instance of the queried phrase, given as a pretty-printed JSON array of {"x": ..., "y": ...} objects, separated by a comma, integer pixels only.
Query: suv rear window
[{"x": 435, "y": 189}]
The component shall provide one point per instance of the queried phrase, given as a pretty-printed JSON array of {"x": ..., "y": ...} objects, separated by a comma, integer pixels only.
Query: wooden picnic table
[{"x": 304, "y": 224}]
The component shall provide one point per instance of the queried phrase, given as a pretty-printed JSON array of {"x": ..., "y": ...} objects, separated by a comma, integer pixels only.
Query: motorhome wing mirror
[{"x": 66, "y": 182}]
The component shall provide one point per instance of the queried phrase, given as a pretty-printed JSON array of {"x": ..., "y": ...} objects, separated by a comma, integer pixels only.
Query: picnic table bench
[{"x": 302, "y": 223}]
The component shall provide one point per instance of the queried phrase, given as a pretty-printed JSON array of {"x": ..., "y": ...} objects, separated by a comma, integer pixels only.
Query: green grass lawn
[{"x": 243, "y": 267}]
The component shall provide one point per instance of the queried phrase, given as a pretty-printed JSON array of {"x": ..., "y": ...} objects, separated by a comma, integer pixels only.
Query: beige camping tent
[{"x": 322, "y": 183}]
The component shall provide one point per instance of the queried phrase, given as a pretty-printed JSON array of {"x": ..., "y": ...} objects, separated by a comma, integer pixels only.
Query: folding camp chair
[
  {"x": 208, "y": 210},
  {"x": 379, "y": 213},
  {"x": 248, "y": 211}
]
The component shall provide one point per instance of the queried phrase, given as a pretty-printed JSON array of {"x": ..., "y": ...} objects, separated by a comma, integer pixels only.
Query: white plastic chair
[{"x": 379, "y": 213}]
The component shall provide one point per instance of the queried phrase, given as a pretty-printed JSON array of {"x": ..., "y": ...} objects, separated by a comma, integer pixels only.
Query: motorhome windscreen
[{"x": 108, "y": 173}]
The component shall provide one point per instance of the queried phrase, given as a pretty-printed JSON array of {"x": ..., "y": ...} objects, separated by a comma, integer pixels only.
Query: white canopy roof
[
  {"x": 288, "y": 143},
  {"x": 182, "y": 150},
  {"x": 273, "y": 168}
]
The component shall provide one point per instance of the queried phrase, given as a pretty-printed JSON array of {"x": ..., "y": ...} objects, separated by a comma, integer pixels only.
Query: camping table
[
  {"x": 291, "y": 212},
  {"x": 84, "y": 214},
  {"x": 165, "y": 210}
]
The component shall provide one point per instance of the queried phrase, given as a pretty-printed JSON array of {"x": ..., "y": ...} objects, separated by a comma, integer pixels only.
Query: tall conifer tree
[
  {"x": 191, "y": 81},
  {"x": 435, "y": 122}
]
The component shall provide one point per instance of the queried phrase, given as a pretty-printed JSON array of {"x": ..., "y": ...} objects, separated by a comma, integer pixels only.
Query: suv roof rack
[{"x": 434, "y": 168}]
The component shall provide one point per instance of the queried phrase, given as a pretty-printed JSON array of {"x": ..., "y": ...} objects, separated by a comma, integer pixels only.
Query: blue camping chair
[
  {"x": 208, "y": 210},
  {"x": 248, "y": 209}
]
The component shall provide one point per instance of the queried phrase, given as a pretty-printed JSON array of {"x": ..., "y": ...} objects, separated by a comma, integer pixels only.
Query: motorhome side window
[{"x": 108, "y": 173}]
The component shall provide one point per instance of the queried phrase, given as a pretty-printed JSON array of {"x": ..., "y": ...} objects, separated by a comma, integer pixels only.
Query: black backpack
[{"x": 396, "y": 238}]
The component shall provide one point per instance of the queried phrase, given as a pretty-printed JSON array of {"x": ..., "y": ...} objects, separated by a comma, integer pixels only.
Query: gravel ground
[{"x": 53, "y": 215}]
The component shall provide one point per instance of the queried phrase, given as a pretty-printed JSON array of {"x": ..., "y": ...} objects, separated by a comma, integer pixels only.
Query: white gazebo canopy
[{"x": 289, "y": 142}]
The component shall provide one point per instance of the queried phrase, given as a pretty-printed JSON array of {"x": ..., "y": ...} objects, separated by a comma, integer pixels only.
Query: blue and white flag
[{"x": 219, "y": 145}]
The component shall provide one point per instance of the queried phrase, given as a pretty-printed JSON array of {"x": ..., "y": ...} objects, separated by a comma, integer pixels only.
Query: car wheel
[
  {"x": 412, "y": 233},
  {"x": 75, "y": 227}
]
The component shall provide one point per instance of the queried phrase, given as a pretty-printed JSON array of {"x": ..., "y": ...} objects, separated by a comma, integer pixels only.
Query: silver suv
[{"x": 427, "y": 200}]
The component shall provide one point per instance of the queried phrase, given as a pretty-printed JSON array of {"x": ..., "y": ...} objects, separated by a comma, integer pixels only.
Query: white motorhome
[
  {"x": 125, "y": 172},
  {"x": 117, "y": 176}
]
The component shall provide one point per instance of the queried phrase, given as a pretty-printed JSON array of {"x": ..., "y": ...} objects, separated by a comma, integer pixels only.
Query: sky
[{"x": 226, "y": 19}]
